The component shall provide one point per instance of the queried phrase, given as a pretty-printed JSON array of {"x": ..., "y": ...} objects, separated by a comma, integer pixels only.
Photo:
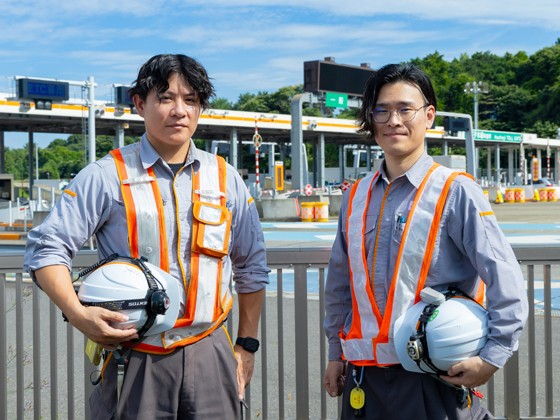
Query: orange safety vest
[
  {"x": 208, "y": 297},
  {"x": 369, "y": 340}
]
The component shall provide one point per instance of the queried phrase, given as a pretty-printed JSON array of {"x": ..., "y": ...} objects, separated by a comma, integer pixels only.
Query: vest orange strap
[{"x": 129, "y": 206}]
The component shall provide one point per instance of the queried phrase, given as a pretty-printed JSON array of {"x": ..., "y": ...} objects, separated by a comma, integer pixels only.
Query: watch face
[
  {"x": 251, "y": 344},
  {"x": 248, "y": 343}
]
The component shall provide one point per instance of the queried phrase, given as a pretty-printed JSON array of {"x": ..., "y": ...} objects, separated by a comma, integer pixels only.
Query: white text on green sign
[
  {"x": 499, "y": 136},
  {"x": 336, "y": 100}
]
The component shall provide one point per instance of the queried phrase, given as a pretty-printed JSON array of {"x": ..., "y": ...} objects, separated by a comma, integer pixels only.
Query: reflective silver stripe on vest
[
  {"x": 147, "y": 221},
  {"x": 208, "y": 266},
  {"x": 360, "y": 349},
  {"x": 413, "y": 247}
]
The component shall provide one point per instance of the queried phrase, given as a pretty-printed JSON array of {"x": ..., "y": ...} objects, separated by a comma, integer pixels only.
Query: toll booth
[{"x": 6, "y": 187}]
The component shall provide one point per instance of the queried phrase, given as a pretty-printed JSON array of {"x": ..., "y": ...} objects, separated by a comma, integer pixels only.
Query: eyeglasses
[{"x": 381, "y": 115}]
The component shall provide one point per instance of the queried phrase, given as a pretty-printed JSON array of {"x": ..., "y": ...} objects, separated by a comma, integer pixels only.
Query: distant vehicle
[{"x": 543, "y": 182}]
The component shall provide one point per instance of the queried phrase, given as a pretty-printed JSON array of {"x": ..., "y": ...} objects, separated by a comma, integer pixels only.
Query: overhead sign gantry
[
  {"x": 42, "y": 92},
  {"x": 343, "y": 85}
]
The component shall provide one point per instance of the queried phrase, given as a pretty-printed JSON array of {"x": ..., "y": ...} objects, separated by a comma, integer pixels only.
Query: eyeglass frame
[{"x": 398, "y": 112}]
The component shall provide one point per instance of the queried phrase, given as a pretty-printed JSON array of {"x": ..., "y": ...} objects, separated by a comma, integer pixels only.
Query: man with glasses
[
  {"x": 372, "y": 275},
  {"x": 185, "y": 211}
]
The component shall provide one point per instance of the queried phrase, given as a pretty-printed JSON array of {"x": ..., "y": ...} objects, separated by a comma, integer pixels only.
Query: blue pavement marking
[
  {"x": 529, "y": 226},
  {"x": 321, "y": 232}
]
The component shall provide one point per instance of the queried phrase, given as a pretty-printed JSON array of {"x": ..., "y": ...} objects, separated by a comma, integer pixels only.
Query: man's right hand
[
  {"x": 95, "y": 323},
  {"x": 334, "y": 377}
]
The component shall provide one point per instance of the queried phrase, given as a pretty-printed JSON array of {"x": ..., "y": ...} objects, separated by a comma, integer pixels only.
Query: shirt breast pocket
[
  {"x": 371, "y": 228},
  {"x": 398, "y": 227}
]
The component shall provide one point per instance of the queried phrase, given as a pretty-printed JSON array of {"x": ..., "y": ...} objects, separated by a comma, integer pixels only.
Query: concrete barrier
[
  {"x": 282, "y": 210},
  {"x": 289, "y": 209}
]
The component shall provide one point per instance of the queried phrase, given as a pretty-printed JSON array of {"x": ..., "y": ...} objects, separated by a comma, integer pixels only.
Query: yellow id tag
[
  {"x": 357, "y": 398},
  {"x": 93, "y": 351}
]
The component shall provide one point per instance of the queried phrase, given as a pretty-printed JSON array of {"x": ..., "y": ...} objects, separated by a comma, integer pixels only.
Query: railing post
[
  {"x": 511, "y": 388},
  {"x": 3, "y": 351},
  {"x": 548, "y": 365},
  {"x": 530, "y": 328},
  {"x": 88, "y": 386},
  {"x": 36, "y": 353},
  {"x": 20, "y": 349},
  {"x": 264, "y": 366},
  {"x": 301, "y": 336},
  {"x": 280, "y": 319},
  {"x": 322, "y": 341},
  {"x": 54, "y": 360},
  {"x": 70, "y": 388}
]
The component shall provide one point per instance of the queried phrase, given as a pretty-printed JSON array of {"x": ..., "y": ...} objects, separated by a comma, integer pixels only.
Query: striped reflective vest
[
  {"x": 208, "y": 297},
  {"x": 369, "y": 339}
]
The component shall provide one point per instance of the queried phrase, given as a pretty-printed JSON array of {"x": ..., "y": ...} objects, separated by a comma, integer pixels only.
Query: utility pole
[{"x": 476, "y": 88}]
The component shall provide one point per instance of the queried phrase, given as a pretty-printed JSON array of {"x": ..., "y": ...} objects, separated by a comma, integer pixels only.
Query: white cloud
[
  {"x": 79, "y": 8},
  {"x": 514, "y": 12},
  {"x": 251, "y": 45}
]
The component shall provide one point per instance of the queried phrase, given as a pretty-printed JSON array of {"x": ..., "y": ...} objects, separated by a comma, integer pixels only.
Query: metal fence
[{"x": 48, "y": 376}]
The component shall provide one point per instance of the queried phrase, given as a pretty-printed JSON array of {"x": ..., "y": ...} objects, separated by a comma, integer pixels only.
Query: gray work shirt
[
  {"x": 94, "y": 205},
  {"x": 470, "y": 245}
]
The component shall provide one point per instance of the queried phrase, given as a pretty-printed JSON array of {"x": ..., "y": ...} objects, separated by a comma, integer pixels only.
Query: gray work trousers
[
  {"x": 198, "y": 381},
  {"x": 393, "y": 393}
]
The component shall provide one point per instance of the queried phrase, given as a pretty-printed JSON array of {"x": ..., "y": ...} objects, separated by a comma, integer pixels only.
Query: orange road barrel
[
  {"x": 551, "y": 194},
  {"x": 510, "y": 196},
  {"x": 307, "y": 209},
  {"x": 321, "y": 212},
  {"x": 543, "y": 194},
  {"x": 519, "y": 195}
]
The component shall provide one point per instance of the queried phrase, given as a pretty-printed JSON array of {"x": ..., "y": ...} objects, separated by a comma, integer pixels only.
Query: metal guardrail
[{"x": 48, "y": 376}]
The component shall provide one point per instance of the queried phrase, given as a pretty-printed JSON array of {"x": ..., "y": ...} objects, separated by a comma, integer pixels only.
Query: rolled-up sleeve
[
  {"x": 474, "y": 229},
  {"x": 71, "y": 222},
  {"x": 338, "y": 297},
  {"x": 248, "y": 250}
]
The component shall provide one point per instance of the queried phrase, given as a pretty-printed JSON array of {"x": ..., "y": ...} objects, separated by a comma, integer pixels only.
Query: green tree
[
  {"x": 221, "y": 103},
  {"x": 252, "y": 102},
  {"x": 508, "y": 106},
  {"x": 16, "y": 163},
  {"x": 545, "y": 129}
]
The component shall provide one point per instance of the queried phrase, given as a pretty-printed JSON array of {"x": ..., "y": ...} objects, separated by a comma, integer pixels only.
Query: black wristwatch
[{"x": 250, "y": 344}]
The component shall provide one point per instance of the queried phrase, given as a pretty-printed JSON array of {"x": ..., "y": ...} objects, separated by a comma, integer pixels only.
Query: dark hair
[
  {"x": 155, "y": 74},
  {"x": 391, "y": 73}
]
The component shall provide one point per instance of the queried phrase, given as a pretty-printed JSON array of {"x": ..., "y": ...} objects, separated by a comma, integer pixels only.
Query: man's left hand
[
  {"x": 470, "y": 373},
  {"x": 245, "y": 366}
]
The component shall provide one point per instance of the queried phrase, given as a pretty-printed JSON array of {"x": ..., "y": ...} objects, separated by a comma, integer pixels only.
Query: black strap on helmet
[{"x": 417, "y": 346}]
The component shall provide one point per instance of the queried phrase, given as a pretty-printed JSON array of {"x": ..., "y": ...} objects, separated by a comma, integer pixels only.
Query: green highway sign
[
  {"x": 499, "y": 136},
  {"x": 336, "y": 100}
]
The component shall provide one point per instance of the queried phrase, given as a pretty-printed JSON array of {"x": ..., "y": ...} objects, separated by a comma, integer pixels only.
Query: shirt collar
[
  {"x": 415, "y": 174},
  {"x": 150, "y": 156},
  {"x": 419, "y": 170}
]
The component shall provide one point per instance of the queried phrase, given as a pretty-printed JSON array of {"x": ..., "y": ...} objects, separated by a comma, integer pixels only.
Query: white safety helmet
[
  {"x": 142, "y": 291},
  {"x": 440, "y": 331}
]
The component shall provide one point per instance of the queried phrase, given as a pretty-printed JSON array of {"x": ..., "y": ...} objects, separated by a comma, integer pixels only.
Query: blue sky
[{"x": 254, "y": 45}]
